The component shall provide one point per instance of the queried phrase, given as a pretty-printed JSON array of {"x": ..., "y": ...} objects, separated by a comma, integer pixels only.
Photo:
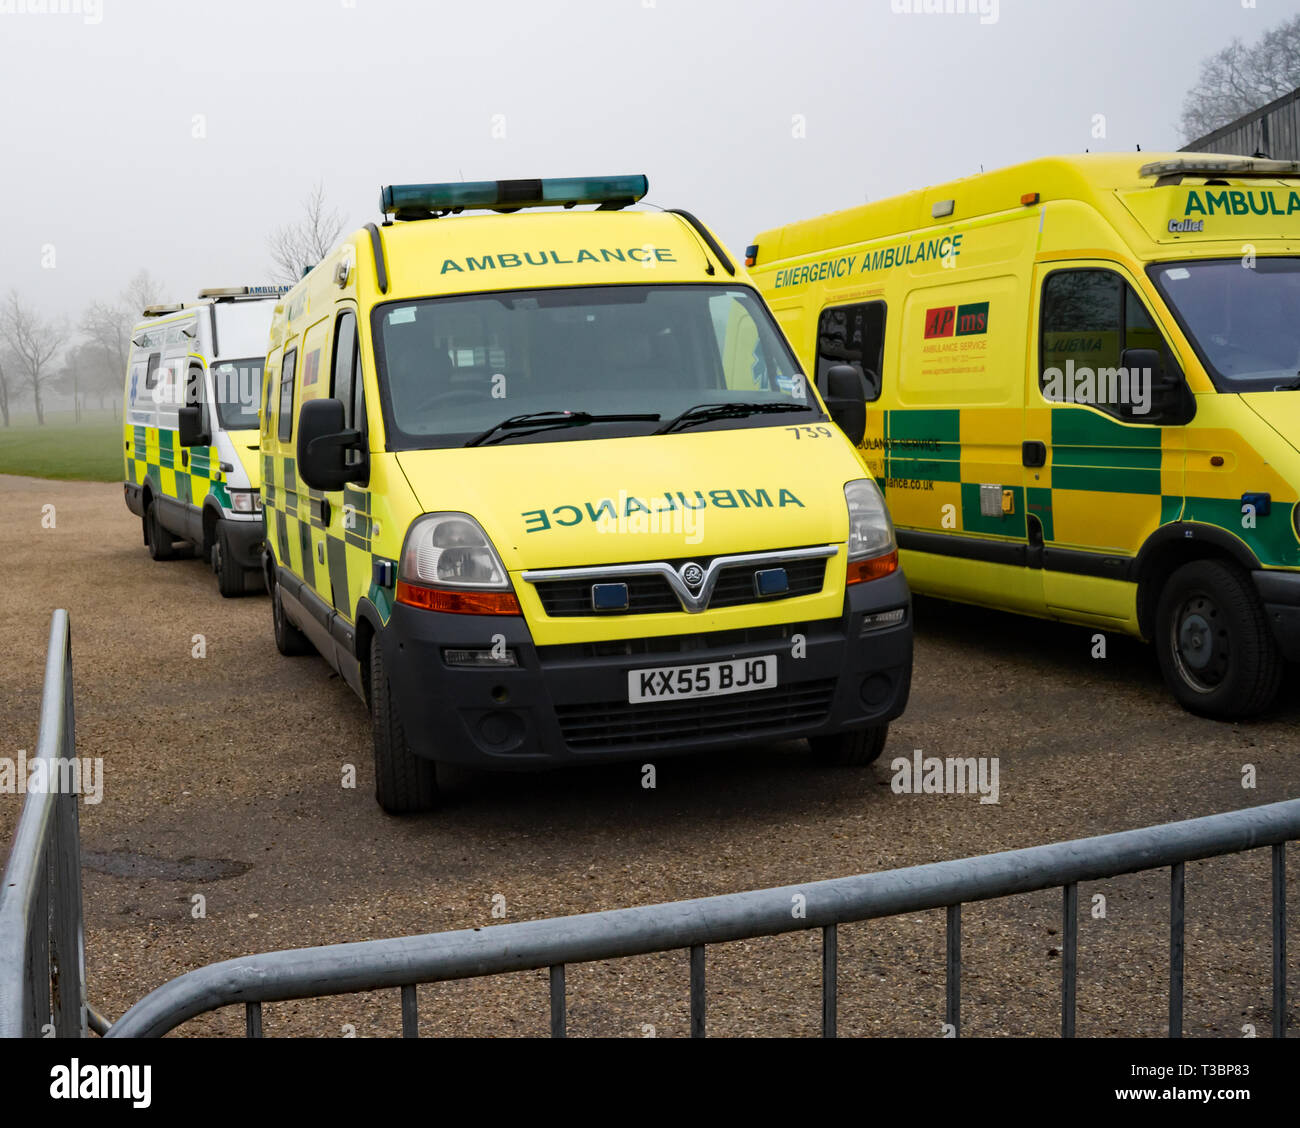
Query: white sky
[{"x": 99, "y": 158}]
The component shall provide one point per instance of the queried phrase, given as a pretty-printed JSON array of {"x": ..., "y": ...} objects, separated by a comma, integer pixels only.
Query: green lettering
[
  {"x": 723, "y": 499},
  {"x": 485, "y": 263},
  {"x": 759, "y": 499},
  {"x": 537, "y": 519},
  {"x": 450, "y": 264},
  {"x": 787, "y": 498},
  {"x": 577, "y": 515},
  {"x": 587, "y": 256}
]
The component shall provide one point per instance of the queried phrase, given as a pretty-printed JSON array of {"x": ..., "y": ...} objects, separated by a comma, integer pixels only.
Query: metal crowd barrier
[
  {"x": 42, "y": 940},
  {"x": 44, "y": 870}
]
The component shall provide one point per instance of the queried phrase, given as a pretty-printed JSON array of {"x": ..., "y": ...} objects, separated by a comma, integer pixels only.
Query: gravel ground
[{"x": 223, "y": 778}]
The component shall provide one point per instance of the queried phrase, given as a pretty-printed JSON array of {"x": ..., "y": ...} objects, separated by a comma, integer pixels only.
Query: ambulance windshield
[
  {"x": 452, "y": 368},
  {"x": 1242, "y": 316},
  {"x": 237, "y": 389}
]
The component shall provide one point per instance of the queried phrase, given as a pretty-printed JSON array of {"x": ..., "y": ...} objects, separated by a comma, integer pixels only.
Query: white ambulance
[{"x": 190, "y": 429}]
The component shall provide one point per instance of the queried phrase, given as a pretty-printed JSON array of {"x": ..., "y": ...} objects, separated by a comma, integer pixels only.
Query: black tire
[
  {"x": 854, "y": 749},
  {"x": 160, "y": 541},
  {"x": 289, "y": 640},
  {"x": 230, "y": 576},
  {"x": 404, "y": 782},
  {"x": 1216, "y": 649}
]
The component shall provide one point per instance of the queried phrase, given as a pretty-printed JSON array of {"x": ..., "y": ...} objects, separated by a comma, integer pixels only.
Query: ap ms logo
[{"x": 957, "y": 321}]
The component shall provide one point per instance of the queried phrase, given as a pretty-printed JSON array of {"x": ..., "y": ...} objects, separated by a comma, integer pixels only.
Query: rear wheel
[
  {"x": 404, "y": 782},
  {"x": 1216, "y": 650},
  {"x": 289, "y": 640},
  {"x": 850, "y": 749},
  {"x": 159, "y": 540}
]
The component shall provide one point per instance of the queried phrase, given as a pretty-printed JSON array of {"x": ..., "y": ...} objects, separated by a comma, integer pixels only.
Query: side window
[
  {"x": 853, "y": 335},
  {"x": 345, "y": 352},
  {"x": 345, "y": 380},
  {"x": 1089, "y": 319},
  {"x": 266, "y": 406},
  {"x": 286, "y": 395},
  {"x": 151, "y": 371},
  {"x": 194, "y": 391}
]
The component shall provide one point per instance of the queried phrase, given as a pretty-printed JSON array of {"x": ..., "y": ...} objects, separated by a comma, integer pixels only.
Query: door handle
[
  {"x": 185, "y": 458},
  {"x": 1033, "y": 454}
]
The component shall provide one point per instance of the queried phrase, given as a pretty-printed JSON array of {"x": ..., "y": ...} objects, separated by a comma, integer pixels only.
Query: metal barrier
[
  {"x": 42, "y": 942},
  {"x": 403, "y": 963},
  {"x": 42, "y": 938}
]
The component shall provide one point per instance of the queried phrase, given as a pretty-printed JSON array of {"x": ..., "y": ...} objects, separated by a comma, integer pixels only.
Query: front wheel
[
  {"x": 1216, "y": 650},
  {"x": 854, "y": 749},
  {"x": 230, "y": 576},
  {"x": 404, "y": 782},
  {"x": 159, "y": 540}
]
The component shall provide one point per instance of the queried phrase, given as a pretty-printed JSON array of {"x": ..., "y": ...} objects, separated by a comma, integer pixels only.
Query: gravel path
[{"x": 223, "y": 778}]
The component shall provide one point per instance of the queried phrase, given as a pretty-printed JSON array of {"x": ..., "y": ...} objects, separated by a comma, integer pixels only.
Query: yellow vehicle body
[
  {"x": 1081, "y": 378},
  {"x": 464, "y": 322}
]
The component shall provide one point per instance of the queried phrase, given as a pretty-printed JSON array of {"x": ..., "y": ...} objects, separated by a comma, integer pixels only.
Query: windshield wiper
[
  {"x": 535, "y": 421},
  {"x": 1294, "y": 386},
  {"x": 706, "y": 412}
]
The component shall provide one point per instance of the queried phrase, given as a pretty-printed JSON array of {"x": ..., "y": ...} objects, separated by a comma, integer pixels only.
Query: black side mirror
[
  {"x": 845, "y": 396},
  {"x": 189, "y": 424},
  {"x": 323, "y": 444},
  {"x": 1171, "y": 400}
]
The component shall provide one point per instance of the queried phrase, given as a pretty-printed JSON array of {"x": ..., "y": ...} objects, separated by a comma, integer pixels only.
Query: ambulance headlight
[
  {"x": 246, "y": 501},
  {"x": 451, "y": 550},
  {"x": 871, "y": 532}
]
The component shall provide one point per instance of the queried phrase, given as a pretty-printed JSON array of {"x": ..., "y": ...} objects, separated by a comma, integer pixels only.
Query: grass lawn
[{"x": 90, "y": 450}]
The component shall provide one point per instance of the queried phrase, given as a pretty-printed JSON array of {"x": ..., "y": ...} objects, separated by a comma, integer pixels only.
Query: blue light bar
[{"x": 419, "y": 201}]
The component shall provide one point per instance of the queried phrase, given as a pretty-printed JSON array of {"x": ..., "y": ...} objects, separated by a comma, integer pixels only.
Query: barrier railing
[
  {"x": 42, "y": 939},
  {"x": 692, "y": 925}
]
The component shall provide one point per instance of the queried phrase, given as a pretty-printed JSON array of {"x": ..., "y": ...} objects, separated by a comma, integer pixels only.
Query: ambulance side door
[
  {"x": 348, "y": 547},
  {"x": 1111, "y": 468}
]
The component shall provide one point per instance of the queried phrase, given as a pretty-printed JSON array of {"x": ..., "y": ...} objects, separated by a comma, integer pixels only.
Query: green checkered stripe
[
  {"x": 197, "y": 470},
  {"x": 1090, "y": 453}
]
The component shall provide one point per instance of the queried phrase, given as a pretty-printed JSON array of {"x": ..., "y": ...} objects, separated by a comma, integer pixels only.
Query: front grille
[
  {"x": 616, "y": 724},
  {"x": 646, "y": 595},
  {"x": 685, "y": 643},
  {"x": 652, "y": 595}
]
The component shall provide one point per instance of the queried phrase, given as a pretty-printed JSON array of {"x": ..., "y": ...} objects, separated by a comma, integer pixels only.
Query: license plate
[{"x": 712, "y": 679}]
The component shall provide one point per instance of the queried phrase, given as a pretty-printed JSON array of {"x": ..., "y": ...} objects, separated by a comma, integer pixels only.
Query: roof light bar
[
  {"x": 1220, "y": 166},
  {"x": 420, "y": 201},
  {"x": 160, "y": 310},
  {"x": 271, "y": 290}
]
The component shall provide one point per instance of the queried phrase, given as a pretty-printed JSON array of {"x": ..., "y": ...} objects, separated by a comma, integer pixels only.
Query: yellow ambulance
[
  {"x": 1082, "y": 377},
  {"x": 189, "y": 443},
  {"x": 547, "y": 486}
]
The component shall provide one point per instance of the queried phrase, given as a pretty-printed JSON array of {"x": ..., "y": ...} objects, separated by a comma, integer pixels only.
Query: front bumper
[
  {"x": 569, "y": 704},
  {"x": 1280, "y": 593}
]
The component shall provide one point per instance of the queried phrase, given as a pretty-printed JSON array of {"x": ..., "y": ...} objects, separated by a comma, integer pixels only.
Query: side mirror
[
  {"x": 189, "y": 424},
  {"x": 1171, "y": 400},
  {"x": 323, "y": 444},
  {"x": 845, "y": 397}
]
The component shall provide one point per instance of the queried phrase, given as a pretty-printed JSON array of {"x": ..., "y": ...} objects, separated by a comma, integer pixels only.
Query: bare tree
[
  {"x": 9, "y": 389},
  {"x": 1240, "y": 79},
  {"x": 35, "y": 341},
  {"x": 297, "y": 247},
  {"x": 142, "y": 290}
]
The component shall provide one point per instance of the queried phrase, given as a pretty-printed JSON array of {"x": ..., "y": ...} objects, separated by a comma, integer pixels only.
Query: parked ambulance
[
  {"x": 549, "y": 487},
  {"x": 1082, "y": 377},
  {"x": 193, "y": 390}
]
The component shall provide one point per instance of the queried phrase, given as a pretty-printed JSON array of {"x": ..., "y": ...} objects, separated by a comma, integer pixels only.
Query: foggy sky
[{"x": 98, "y": 156}]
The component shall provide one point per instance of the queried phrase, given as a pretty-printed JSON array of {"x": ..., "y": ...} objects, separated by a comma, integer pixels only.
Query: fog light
[
  {"x": 493, "y": 658},
  {"x": 882, "y": 619}
]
